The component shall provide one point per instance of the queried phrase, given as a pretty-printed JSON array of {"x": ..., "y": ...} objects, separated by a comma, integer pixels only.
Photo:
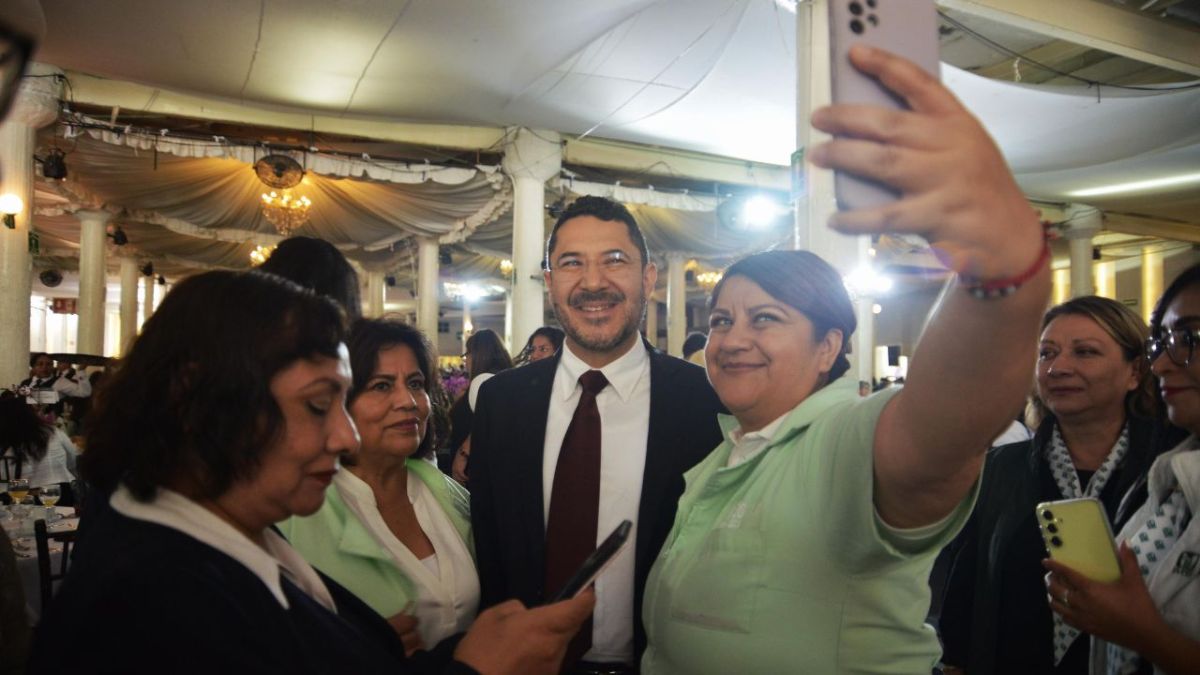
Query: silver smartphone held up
[
  {"x": 906, "y": 28},
  {"x": 591, "y": 568}
]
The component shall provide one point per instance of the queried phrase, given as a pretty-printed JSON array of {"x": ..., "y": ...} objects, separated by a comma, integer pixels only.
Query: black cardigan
[
  {"x": 144, "y": 598},
  {"x": 995, "y": 618}
]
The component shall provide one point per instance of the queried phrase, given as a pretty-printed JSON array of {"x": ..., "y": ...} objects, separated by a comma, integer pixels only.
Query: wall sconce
[{"x": 10, "y": 206}]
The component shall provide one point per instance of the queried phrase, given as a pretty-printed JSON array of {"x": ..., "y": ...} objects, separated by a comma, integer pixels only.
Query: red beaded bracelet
[{"x": 999, "y": 288}]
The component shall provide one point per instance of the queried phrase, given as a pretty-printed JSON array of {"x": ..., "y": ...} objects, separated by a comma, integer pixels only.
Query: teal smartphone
[{"x": 1077, "y": 534}]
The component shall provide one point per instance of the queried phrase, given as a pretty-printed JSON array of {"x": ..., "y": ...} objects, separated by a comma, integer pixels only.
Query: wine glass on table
[
  {"x": 50, "y": 495},
  {"x": 18, "y": 489}
]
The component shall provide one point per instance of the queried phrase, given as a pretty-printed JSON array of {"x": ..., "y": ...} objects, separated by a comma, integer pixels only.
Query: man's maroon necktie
[{"x": 575, "y": 502}]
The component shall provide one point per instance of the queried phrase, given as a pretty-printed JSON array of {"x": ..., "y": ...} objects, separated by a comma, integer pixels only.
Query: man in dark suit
[{"x": 657, "y": 418}]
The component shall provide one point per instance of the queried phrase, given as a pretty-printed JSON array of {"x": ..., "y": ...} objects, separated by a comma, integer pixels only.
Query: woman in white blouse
[
  {"x": 395, "y": 531},
  {"x": 37, "y": 450}
]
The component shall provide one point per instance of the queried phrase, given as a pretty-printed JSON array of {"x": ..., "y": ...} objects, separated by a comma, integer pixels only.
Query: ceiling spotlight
[
  {"x": 866, "y": 281},
  {"x": 55, "y": 165},
  {"x": 147, "y": 269},
  {"x": 10, "y": 206},
  {"x": 162, "y": 281},
  {"x": 390, "y": 280},
  {"x": 118, "y": 236},
  {"x": 760, "y": 211}
]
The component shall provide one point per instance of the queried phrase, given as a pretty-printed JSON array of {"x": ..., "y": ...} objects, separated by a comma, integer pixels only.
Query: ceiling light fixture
[
  {"x": 55, "y": 165},
  {"x": 761, "y": 211},
  {"x": 285, "y": 211},
  {"x": 1134, "y": 186},
  {"x": 260, "y": 254}
]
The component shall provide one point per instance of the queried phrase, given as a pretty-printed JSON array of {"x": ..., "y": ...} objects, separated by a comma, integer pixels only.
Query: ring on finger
[{"x": 1065, "y": 596}]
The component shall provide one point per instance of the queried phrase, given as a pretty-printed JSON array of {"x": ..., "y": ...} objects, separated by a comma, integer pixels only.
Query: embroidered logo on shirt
[{"x": 1188, "y": 564}]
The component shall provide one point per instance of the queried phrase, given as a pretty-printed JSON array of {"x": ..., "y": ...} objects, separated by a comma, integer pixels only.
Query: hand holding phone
[
  {"x": 591, "y": 568},
  {"x": 1077, "y": 534}
]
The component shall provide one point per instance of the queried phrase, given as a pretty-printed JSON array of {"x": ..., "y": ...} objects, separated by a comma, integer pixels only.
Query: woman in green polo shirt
[{"x": 803, "y": 543}]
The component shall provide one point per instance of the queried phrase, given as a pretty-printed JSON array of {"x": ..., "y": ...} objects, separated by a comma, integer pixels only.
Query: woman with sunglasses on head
[
  {"x": 1149, "y": 619},
  {"x": 227, "y": 416},
  {"x": 1098, "y": 429}
]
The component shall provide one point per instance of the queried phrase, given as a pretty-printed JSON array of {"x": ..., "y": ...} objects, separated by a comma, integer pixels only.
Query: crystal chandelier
[
  {"x": 285, "y": 211},
  {"x": 708, "y": 280}
]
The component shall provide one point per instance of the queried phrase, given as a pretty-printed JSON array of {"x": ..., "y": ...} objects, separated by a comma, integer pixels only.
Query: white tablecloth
[{"x": 27, "y": 566}]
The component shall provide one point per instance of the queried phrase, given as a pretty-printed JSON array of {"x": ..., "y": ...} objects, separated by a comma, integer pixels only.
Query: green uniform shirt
[
  {"x": 781, "y": 564},
  {"x": 334, "y": 541}
]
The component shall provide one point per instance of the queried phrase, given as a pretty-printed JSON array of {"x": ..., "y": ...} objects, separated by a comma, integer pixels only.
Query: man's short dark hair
[
  {"x": 33, "y": 358},
  {"x": 603, "y": 209}
]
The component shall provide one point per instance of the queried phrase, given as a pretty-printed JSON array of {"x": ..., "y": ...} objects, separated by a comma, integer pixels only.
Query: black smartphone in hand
[{"x": 591, "y": 568}]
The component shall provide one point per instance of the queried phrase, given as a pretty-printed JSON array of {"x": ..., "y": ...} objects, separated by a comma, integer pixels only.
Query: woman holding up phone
[
  {"x": 804, "y": 542},
  {"x": 1150, "y": 617}
]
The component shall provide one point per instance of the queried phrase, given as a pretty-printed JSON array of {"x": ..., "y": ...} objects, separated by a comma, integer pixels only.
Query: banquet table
[{"x": 27, "y": 563}]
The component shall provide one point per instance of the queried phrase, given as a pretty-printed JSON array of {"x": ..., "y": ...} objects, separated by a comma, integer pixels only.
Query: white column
[
  {"x": 148, "y": 304},
  {"x": 1152, "y": 280},
  {"x": 818, "y": 202},
  {"x": 376, "y": 294},
  {"x": 427, "y": 287},
  {"x": 129, "y": 303},
  {"x": 652, "y": 322},
  {"x": 35, "y": 107},
  {"x": 530, "y": 159},
  {"x": 514, "y": 346},
  {"x": 92, "y": 280},
  {"x": 468, "y": 326},
  {"x": 1083, "y": 223},
  {"x": 676, "y": 304}
]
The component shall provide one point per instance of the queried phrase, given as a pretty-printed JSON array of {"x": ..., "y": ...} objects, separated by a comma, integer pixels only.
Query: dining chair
[{"x": 46, "y": 575}]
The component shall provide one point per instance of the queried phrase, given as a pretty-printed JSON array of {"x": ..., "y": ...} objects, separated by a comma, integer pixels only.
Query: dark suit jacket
[
  {"x": 144, "y": 598},
  {"x": 507, "y": 440}
]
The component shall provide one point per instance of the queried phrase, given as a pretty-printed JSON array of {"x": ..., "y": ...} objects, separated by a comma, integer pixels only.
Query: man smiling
[{"x": 566, "y": 448}]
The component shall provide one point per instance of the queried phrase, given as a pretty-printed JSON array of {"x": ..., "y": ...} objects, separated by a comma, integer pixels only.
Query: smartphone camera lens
[
  {"x": 856, "y": 26},
  {"x": 856, "y": 9},
  {"x": 1048, "y": 514},
  {"x": 871, "y": 4},
  {"x": 1055, "y": 542},
  {"x": 872, "y": 20},
  {"x": 1052, "y": 528}
]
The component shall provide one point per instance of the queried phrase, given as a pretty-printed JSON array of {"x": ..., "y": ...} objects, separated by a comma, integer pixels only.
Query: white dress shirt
[
  {"x": 173, "y": 510},
  {"x": 447, "y": 585},
  {"x": 80, "y": 387},
  {"x": 624, "y": 407}
]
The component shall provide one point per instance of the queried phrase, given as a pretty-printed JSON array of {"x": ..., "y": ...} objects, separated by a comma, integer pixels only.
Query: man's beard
[{"x": 600, "y": 344}]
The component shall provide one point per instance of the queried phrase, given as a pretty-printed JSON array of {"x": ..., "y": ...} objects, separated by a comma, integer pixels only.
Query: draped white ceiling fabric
[{"x": 713, "y": 76}]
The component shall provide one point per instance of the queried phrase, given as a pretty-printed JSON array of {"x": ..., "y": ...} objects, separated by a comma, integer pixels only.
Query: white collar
[
  {"x": 171, "y": 509},
  {"x": 736, "y": 435},
  {"x": 623, "y": 374}
]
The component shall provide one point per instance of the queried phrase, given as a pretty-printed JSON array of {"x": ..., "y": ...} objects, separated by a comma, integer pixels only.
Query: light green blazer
[{"x": 335, "y": 542}]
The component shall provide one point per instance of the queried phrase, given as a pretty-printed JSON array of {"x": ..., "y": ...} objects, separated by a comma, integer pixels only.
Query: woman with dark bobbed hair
[
  {"x": 1099, "y": 427},
  {"x": 394, "y": 529},
  {"x": 227, "y": 416}
]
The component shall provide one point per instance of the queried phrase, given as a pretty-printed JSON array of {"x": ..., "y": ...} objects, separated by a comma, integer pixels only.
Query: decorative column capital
[
  {"x": 1083, "y": 221},
  {"x": 93, "y": 216},
  {"x": 530, "y": 153},
  {"x": 37, "y": 101}
]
